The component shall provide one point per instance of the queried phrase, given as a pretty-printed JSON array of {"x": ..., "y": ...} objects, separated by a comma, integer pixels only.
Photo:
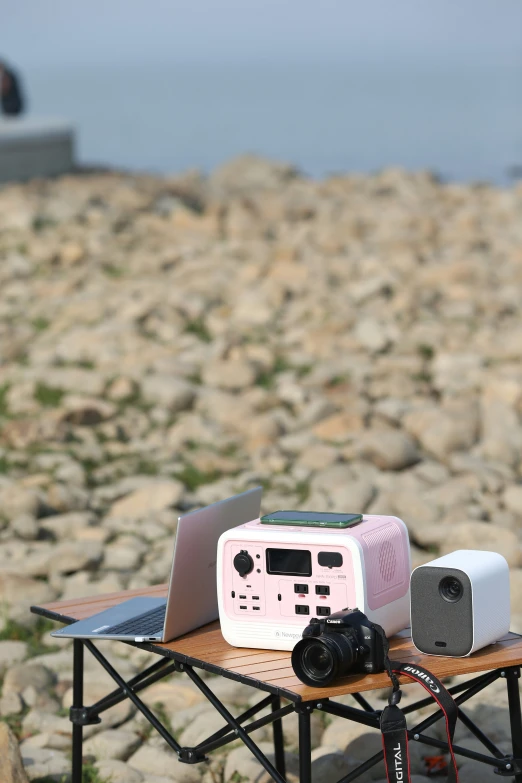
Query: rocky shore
[{"x": 352, "y": 344}]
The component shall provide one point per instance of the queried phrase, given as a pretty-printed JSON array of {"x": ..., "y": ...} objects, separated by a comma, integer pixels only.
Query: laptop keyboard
[{"x": 147, "y": 624}]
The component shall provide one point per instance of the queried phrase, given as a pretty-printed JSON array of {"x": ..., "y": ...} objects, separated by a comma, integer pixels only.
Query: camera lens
[
  {"x": 319, "y": 661},
  {"x": 451, "y": 589}
]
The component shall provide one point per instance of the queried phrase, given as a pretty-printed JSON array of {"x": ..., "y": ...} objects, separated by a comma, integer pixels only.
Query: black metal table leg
[
  {"x": 515, "y": 716},
  {"x": 305, "y": 746},
  {"x": 279, "y": 743},
  {"x": 77, "y": 729}
]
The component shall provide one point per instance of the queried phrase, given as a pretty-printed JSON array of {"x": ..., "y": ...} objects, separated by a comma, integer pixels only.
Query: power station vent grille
[{"x": 384, "y": 558}]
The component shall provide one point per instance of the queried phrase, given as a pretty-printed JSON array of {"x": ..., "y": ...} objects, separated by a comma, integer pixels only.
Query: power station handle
[{"x": 394, "y": 728}]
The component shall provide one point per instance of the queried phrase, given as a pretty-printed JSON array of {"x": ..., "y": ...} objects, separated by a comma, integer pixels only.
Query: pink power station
[{"x": 272, "y": 579}]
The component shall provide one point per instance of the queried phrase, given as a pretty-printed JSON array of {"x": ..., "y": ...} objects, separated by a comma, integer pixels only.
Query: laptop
[{"x": 192, "y": 597}]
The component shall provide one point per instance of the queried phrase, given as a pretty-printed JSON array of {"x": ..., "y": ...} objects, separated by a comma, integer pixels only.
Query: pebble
[
  {"x": 168, "y": 391},
  {"x": 11, "y": 763},
  {"x": 202, "y": 726},
  {"x": 118, "y": 772},
  {"x": 114, "y": 744},
  {"x": 480, "y": 535},
  {"x": 230, "y": 374},
  {"x": 513, "y": 499},
  {"x": 44, "y": 762},
  {"x": 340, "y": 733},
  {"x": 23, "y": 675},
  {"x": 11, "y": 652},
  {"x": 155, "y": 496},
  {"x": 240, "y": 761},
  {"x": 389, "y": 449},
  {"x": 154, "y": 761}
]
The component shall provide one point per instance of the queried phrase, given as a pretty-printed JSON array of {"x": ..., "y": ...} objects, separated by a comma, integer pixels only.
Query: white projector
[{"x": 460, "y": 603}]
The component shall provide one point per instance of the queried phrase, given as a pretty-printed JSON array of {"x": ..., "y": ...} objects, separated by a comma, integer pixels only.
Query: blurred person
[{"x": 10, "y": 91}]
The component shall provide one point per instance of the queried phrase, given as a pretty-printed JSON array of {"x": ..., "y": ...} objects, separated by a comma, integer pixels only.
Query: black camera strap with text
[{"x": 393, "y": 721}]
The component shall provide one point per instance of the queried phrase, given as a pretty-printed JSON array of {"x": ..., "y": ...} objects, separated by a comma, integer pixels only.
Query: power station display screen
[{"x": 289, "y": 562}]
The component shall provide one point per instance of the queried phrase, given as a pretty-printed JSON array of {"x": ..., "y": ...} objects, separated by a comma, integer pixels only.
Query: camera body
[
  {"x": 460, "y": 602},
  {"x": 347, "y": 642},
  {"x": 272, "y": 579}
]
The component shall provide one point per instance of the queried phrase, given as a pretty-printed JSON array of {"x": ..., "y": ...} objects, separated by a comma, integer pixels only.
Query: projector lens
[{"x": 451, "y": 589}]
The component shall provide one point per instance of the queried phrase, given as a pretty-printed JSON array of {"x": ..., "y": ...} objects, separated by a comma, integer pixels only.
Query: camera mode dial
[{"x": 243, "y": 563}]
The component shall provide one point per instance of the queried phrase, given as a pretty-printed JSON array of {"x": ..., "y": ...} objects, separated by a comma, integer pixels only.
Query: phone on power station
[{"x": 312, "y": 519}]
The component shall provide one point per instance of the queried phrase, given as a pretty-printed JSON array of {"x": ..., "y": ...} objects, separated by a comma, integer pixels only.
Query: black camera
[{"x": 346, "y": 642}]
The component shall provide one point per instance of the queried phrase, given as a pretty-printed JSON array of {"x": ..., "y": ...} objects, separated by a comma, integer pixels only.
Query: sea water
[{"x": 463, "y": 121}]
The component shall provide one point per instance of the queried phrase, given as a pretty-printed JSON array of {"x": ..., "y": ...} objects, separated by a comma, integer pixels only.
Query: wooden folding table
[{"x": 270, "y": 672}]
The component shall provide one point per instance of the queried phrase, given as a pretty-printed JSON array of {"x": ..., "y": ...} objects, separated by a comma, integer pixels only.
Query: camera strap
[{"x": 393, "y": 721}]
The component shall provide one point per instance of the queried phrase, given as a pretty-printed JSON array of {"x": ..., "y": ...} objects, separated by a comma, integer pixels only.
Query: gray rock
[
  {"x": 11, "y": 768},
  {"x": 457, "y": 372},
  {"x": 114, "y": 744},
  {"x": 121, "y": 389},
  {"x": 442, "y": 432},
  {"x": 86, "y": 411},
  {"x": 340, "y": 489},
  {"x": 71, "y": 472},
  {"x": 16, "y": 500},
  {"x": 331, "y": 764},
  {"x": 168, "y": 391},
  {"x": 38, "y": 722},
  {"x": 154, "y": 496},
  {"x": 74, "y": 556},
  {"x": 73, "y": 379},
  {"x": 471, "y": 771},
  {"x": 515, "y": 578},
  {"x": 11, "y": 652},
  {"x": 68, "y": 525},
  {"x": 512, "y": 498},
  {"x": 25, "y": 526},
  {"x": 21, "y": 676},
  {"x": 154, "y": 761},
  {"x": 122, "y": 556},
  {"x": 250, "y": 172},
  {"x": 231, "y": 374},
  {"x": 372, "y": 334},
  {"x": 203, "y": 725},
  {"x": 419, "y": 516},
  {"x": 480, "y": 535},
  {"x": 177, "y": 697},
  {"x": 44, "y": 762},
  {"x": 340, "y": 733},
  {"x": 118, "y": 772},
  {"x": 475, "y": 772},
  {"x": 389, "y": 449},
  {"x": 62, "y": 497},
  {"x": 458, "y": 491},
  {"x": 240, "y": 761},
  {"x": 501, "y": 432},
  {"x": 11, "y": 704}
]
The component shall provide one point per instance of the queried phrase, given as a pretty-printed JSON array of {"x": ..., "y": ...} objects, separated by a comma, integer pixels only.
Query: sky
[{"x": 74, "y": 32}]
